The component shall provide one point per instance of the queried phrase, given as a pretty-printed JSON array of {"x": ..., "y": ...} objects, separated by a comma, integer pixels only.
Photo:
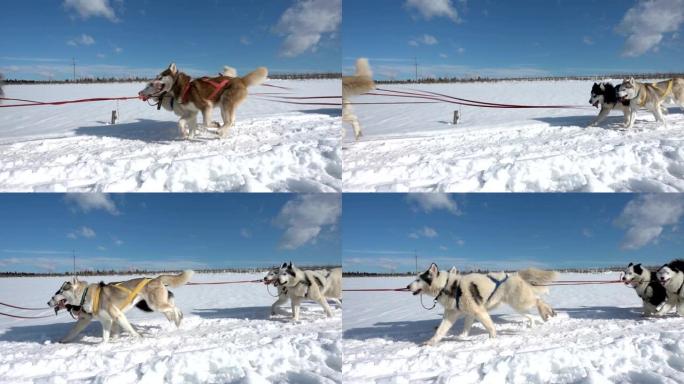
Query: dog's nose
[{"x": 408, "y": 287}]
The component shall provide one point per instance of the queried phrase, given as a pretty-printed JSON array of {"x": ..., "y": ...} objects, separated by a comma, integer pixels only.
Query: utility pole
[
  {"x": 415, "y": 255},
  {"x": 73, "y": 61},
  {"x": 73, "y": 254},
  {"x": 415, "y": 61}
]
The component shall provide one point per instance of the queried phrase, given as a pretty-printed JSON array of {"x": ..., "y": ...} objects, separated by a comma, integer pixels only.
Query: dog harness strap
[
  {"x": 218, "y": 87},
  {"x": 136, "y": 290},
  {"x": 85, "y": 292},
  {"x": 459, "y": 293},
  {"x": 185, "y": 93},
  {"x": 497, "y": 284},
  {"x": 680, "y": 288}
]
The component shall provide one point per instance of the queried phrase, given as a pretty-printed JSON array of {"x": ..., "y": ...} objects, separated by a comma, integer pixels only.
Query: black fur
[
  {"x": 318, "y": 280},
  {"x": 638, "y": 270},
  {"x": 458, "y": 295},
  {"x": 142, "y": 305},
  {"x": 658, "y": 292},
  {"x": 609, "y": 93},
  {"x": 426, "y": 277},
  {"x": 676, "y": 265},
  {"x": 475, "y": 293}
]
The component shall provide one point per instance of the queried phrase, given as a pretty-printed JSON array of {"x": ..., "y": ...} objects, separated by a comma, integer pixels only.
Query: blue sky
[
  {"x": 380, "y": 232},
  {"x": 503, "y": 38},
  {"x": 122, "y": 37},
  {"x": 173, "y": 231}
]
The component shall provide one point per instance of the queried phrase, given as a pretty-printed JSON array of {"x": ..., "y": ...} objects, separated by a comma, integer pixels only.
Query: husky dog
[
  {"x": 202, "y": 95},
  {"x": 474, "y": 294},
  {"x": 605, "y": 94},
  {"x": 272, "y": 279},
  {"x": 360, "y": 83},
  {"x": 671, "y": 276},
  {"x": 647, "y": 287},
  {"x": 313, "y": 285},
  {"x": 651, "y": 96},
  {"x": 109, "y": 302}
]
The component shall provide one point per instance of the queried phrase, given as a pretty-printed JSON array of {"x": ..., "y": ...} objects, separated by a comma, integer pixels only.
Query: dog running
[
  {"x": 671, "y": 276},
  {"x": 188, "y": 97},
  {"x": 647, "y": 286},
  {"x": 313, "y": 285},
  {"x": 651, "y": 96},
  {"x": 473, "y": 295},
  {"x": 108, "y": 302}
]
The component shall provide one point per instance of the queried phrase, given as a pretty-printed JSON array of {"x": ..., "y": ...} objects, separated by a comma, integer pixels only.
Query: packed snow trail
[
  {"x": 417, "y": 149},
  {"x": 598, "y": 336},
  {"x": 272, "y": 147},
  {"x": 227, "y": 335}
]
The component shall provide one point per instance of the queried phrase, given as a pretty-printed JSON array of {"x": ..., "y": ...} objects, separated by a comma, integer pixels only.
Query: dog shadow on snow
[
  {"x": 421, "y": 330},
  {"x": 150, "y": 131},
  {"x": 614, "y": 121},
  {"x": 54, "y": 332},
  {"x": 283, "y": 314}
]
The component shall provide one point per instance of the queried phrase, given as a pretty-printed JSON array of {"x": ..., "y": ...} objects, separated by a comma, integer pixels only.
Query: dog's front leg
[
  {"x": 632, "y": 118},
  {"x": 206, "y": 118},
  {"x": 183, "y": 128},
  {"x": 106, "y": 322},
  {"x": 121, "y": 319},
  {"x": 680, "y": 308},
  {"x": 275, "y": 306},
  {"x": 295, "y": 300},
  {"x": 467, "y": 325},
  {"x": 601, "y": 116},
  {"x": 81, "y": 324},
  {"x": 665, "y": 308},
  {"x": 450, "y": 317}
]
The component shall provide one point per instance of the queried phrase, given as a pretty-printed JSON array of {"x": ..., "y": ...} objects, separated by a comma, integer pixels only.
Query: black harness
[{"x": 497, "y": 283}]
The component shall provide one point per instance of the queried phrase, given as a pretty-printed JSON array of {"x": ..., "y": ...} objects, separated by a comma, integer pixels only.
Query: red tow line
[
  {"x": 226, "y": 282},
  {"x": 37, "y": 103},
  {"x": 25, "y": 317}
]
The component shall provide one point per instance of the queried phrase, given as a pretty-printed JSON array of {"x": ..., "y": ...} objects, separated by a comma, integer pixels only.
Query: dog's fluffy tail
[
  {"x": 363, "y": 68},
  {"x": 537, "y": 278},
  {"x": 177, "y": 280},
  {"x": 256, "y": 77}
]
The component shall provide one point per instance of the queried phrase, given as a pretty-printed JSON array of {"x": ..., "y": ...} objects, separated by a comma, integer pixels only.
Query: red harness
[{"x": 218, "y": 87}]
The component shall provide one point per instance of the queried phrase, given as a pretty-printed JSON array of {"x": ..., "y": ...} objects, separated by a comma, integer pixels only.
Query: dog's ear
[
  {"x": 172, "y": 68},
  {"x": 453, "y": 270},
  {"x": 602, "y": 86},
  {"x": 290, "y": 266},
  {"x": 630, "y": 264},
  {"x": 434, "y": 270},
  {"x": 74, "y": 280},
  {"x": 284, "y": 265}
]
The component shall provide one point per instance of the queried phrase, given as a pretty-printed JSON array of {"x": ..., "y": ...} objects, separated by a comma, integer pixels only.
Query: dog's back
[{"x": 361, "y": 82}]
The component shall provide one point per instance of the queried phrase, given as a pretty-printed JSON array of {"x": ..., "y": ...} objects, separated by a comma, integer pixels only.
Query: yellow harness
[
  {"x": 131, "y": 293},
  {"x": 667, "y": 91}
]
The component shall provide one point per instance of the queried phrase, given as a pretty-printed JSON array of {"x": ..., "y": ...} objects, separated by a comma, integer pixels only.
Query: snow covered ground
[
  {"x": 598, "y": 336},
  {"x": 226, "y": 336},
  {"x": 416, "y": 148},
  {"x": 273, "y": 146}
]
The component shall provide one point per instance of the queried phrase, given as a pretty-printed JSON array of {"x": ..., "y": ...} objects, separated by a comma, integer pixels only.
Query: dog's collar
[{"x": 680, "y": 288}]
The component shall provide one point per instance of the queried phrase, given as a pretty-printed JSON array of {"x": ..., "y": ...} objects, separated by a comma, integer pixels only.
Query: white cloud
[
  {"x": 588, "y": 40},
  {"x": 305, "y": 23},
  {"x": 645, "y": 218},
  {"x": 443, "y": 55},
  {"x": 460, "y": 50},
  {"x": 84, "y": 231},
  {"x": 443, "y": 248},
  {"x": 460, "y": 242},
  {"x": 81, "y": 40},
  {"x": 646, "y": 23},
  {"x": 434, "y": 8},
  {"x": 100, "y": 55},
  {"x": 586, "y": 232},
  {"x": 305, "y": 216},
  {"x": 424, "y": 232},
  {"x": 87, "y": 202},
  {"x": 244, "y": 40},
  {"x": 425, "y": 39},
  {"x": 64, "y": 263},
  {"x": 117, "y": 241},
  {"x": 428, "y": 202},
  {"x": 101, "y": 248},
  {"x": 118, "y": 50},
  {"x": 94, "y": 8},
  {"x": 246, "y": 233}
]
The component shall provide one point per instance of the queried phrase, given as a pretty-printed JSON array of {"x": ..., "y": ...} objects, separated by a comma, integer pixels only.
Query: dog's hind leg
[
  {"x": 206, "y": 117},
  {"x": 545, "y": 310},
  {"x": 80, "y": 325},
  {"x": 450, "y": 317},
  {"x": 324, "y": 303},
  {"x": 657, "y": 111},
  {"x": 337, "y": 301}
]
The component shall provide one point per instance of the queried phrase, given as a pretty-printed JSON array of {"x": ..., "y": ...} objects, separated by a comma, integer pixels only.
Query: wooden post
[
  {"x": 113, "y": 117},
  {"x": 456, "y": 116}
]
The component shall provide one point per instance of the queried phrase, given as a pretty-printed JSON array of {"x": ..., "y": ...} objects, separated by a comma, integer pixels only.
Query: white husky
[
  {"x": 312, "y": 285},
  {"x": 647, "y": 286},
  {"x": 671, "y": 276},
  {"x": 474, "y": 294},
  {"x": 651, "y": 96}
]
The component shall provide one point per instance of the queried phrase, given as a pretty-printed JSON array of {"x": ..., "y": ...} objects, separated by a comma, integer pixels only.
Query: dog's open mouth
[
  {"x": 60, "y": 305},
  {"x": 417, "y": 292},
  {"x": 664, "y": 281},
  {"x": 596, "y": 104}
]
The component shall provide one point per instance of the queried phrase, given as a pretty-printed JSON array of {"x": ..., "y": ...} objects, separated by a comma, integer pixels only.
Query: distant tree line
[
  {"x": 140, "y": 79},
  {"x": 480, "y": 79},
  {"x": 113, "y": 272},
  {"x": 562, "y": 270}
]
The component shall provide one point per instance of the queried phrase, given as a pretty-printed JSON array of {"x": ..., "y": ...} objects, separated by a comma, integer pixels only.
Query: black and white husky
[
  {"x": 647, "y": 286},
  {"x": 671, "y": 276},
  {"x": 473, "y": 295},
  {"x": 606, "y": 95},
  {"x": 313, "y": 285}
]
